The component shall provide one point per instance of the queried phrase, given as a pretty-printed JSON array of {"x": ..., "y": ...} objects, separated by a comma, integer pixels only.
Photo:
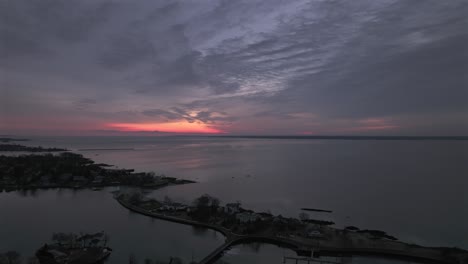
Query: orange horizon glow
[{"x": 170, "y": 127}]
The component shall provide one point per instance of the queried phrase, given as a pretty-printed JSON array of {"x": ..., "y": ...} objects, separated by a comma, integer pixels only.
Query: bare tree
[{"x": 303, "y": 216}]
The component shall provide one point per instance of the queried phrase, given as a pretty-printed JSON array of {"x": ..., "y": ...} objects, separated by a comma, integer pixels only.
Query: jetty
[{"x": 316, "y": 210}]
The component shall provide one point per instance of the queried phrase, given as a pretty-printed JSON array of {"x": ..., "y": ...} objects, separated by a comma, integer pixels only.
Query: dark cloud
[
  {"x": 163, "y": 114},
  {"x": 178, "y": 114},
  {"x": 284, "y": 65},
  {"x": 84, "y": 103},
  {"x": 33, "y": 27}
]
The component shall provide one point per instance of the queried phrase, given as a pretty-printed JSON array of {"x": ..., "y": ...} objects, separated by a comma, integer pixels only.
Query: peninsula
[
  {"x": 71, "y": 170},
  {"x": 308, "y": 237}
]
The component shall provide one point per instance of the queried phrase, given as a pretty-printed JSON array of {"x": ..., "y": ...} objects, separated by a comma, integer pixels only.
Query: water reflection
[
  {"x": 388, "y": 186},
  {"x": 255, "y": 253},
  {"x": 28, "y": 219}
]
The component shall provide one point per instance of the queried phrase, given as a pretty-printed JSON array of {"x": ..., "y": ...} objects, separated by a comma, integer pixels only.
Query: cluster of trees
[
  {"x": 377, "y": 233},
  {"x": 28, "y": 169},
  {"x": 319, "y": 222},
  {"x": 204, "y": 207},
  {"x": 135, "y": 198},
  {"x": 72, "y": 240},
  {"x": 13, "y": 257},
  {"x": 32, "y": 171},
  {"x": 287, "y": 224}
]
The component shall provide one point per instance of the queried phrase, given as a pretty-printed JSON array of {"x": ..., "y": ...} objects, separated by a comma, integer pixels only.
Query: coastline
[
  {"x": 240, "y": 239},
  {"x": 318, "y": 247}
]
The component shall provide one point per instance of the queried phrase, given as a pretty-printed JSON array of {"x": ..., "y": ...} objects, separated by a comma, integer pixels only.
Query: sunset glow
[{"x": 171, "y": 127}]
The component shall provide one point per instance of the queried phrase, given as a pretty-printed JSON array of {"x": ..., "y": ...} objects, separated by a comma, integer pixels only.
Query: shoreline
[
  {"x": 71, "y": 170},
  {"x": 338, "y": 246},
  {"x": 318, "y": 247}
]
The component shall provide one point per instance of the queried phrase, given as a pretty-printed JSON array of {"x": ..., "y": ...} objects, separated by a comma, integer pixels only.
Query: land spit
[{"x": 341, "y": 244}]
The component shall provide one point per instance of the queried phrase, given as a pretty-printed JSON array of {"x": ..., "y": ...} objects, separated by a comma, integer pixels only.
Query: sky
[{"x": 276, "y": 67}]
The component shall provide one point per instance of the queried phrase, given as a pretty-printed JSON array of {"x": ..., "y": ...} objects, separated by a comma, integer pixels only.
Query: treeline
[
  {"x": 375, "y": 233},
  {"x": 72, "y": 240},
  {"x": 68, "y": 170}
]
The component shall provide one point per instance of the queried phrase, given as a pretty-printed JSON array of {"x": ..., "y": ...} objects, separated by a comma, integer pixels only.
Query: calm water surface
[
  {"x": 28, "y": 221},
  {"x": 415, "y": 190}
]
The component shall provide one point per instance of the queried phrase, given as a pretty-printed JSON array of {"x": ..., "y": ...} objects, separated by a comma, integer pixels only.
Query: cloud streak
[{"x": 276, "y": 67}]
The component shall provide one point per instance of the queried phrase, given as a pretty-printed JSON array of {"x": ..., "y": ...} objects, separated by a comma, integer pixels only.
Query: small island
[{"x": 9, "y": 139}]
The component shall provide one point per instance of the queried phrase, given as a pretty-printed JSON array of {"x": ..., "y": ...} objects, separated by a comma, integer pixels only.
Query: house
[
  {"x": 80, "y": 179},
  {"x": 314, "y": 234},
  {"x": 247, "y": 217},
  {"x": 98, "y": 180},
  {"x": 167, "y": 208},
  {"x": 65, "y": 177},
  {"x": 46, "y": 180},
  {"x": 266, "y": 216},
  {"x": 232, "y": 208},
  {"x": 181, "y": 208}
]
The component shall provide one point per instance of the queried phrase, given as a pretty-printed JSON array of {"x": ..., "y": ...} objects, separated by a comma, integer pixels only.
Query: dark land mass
[
  {"x": 17, "y": 147},
  {"x": 70, "y": 170},
  {"x": 75, "y": 249},
  {"x": 8, "y": 139},
  {"x": 243, "y": 226},
  {"x": 350, "y": 137}
]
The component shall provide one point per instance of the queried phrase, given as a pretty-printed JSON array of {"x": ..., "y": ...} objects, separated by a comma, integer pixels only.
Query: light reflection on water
[{"x": 412, "y": 189}]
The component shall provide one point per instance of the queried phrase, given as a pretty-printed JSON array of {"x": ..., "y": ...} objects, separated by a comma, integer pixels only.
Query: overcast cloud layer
[{"x": 242, "y": 67}]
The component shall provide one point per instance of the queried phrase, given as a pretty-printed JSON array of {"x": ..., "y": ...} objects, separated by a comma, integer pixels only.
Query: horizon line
[{"x": 285, "y": 136}]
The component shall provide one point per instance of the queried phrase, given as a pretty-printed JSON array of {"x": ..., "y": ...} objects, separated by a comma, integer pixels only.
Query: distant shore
[
  {"x": 8, "y": 139},
  {"x": 70, "y": 170},
  {"x": 17, "y": 147},
  {"x": 324, "y": 137}
]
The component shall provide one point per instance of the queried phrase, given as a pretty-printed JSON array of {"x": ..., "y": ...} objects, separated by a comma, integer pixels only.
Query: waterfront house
[
  {"x": 314, "y": 234},
  {"x": 167, "y": 208},
  {"x": 181, "y": 208},
  {"x": 98, "y": 180},
  {"x": 46, "y": 180},
  {"x": 232, "y": 208},
  {"x": 64, "y": 177},
  {"x": 266, "y": 216},
  {"x": 247, "y": 217}
]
